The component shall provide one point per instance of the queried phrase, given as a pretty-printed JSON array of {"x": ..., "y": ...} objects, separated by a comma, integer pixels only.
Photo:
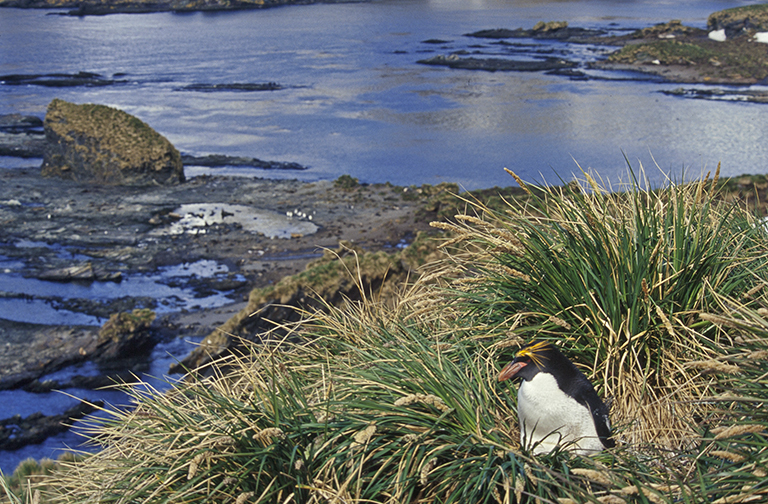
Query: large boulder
[
  {"x": 100, "y": 144},
  {"x": 125, "y": 335}
]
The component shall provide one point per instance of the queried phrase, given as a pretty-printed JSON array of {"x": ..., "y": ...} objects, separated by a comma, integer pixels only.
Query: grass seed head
[
  {"x": 243, "y": 497},
  {"x": 362, "y": 437},
  {"x": 427, "y": 399},
  {"x": 596, "y": 476},
  {"x": 713, "y": 366},
  {"x": 269, "y": 435},
  {"x": 425, "y": 470},
  {"x": 726, "y": 455},
  {"x": 737, "y": 430}
]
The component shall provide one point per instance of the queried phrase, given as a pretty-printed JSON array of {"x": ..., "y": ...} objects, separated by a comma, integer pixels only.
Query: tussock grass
[
  {"x": 657, "y": 295},
  {"x": 624, "y": 280}
]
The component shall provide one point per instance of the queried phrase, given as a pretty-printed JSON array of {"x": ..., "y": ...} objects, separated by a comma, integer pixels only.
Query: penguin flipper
[{"x": 600, "y": 418}]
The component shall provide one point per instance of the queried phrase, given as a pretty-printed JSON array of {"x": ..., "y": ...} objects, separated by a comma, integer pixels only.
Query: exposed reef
[
  {"x": 553, "y": 30},
  {"x": 87, "y": 79},
  {"x": 220, "y": 160},
  {"x": 103, "y": 7},
  {"x": 16, "y": 431},
  {"x": 237, "y": 86},
  {"x": 498, "y": 64}
]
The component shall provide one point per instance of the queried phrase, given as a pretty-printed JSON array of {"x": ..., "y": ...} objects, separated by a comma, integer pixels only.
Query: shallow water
[
  {"x": 166, "y": 285},
  {"x": 196, "y": 217},
  {"x": 55, "y": 402}
]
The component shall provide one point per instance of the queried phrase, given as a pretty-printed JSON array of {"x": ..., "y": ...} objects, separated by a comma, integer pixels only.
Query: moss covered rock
[
  {"x": 740, "y": 20},
  {"x": 100, "y": 144},
  {"x": 125, "y": 334}
]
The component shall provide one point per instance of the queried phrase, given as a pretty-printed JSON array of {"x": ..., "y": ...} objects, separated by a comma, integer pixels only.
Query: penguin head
[{"x": 530, "y": 360}]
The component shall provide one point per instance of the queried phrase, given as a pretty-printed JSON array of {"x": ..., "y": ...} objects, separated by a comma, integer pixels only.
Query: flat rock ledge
[{"x": 103, "y": 7}]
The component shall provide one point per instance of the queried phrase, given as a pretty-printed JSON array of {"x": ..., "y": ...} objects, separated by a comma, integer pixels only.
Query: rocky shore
[
  {"x": 76, "y": 232},
  {"x": 259, "y": 230},
  {"x": 731, "y": 51},
  {"x": 124, "y": 231}
]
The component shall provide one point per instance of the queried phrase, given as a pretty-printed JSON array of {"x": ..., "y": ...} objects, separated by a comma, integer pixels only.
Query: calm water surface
[{"x": 355, "y": 100}]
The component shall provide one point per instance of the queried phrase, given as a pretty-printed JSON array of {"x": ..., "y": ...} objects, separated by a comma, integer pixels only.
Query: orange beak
[{"x": 511, "y": 370}]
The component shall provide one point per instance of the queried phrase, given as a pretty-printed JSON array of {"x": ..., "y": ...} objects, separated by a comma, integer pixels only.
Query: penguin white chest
[{"x": 549, "y": 417}]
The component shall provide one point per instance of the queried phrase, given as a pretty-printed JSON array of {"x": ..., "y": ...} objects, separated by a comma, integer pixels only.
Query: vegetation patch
[
  {"x": 659, "y": 296},
  {"x": 744, "y": 18}
]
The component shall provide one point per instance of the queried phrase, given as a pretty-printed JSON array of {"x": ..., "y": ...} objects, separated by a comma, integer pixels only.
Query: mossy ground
[
  {"x": 732, "y": 60},
  {"x": 685, "y": 54}
]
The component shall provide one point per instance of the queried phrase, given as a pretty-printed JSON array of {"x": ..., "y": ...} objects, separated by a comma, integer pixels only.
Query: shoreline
[
  {"x": 129, "y": 231},
  {"x": 54, "y": 225}
]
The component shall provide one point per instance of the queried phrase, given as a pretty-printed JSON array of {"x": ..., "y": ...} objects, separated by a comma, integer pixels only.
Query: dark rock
[
  {"x": 125, "y": 335},
  {"x": 570, "y": 73},
  {"x": 22, "y": 145},
  {"x": 17, "y": 123},
  {"x": 21, "y": 136},
  {"x": 557, "y": 30},
  {"x": 740, "y": 20},
  {"x": 81, "y": 382},
  {"x": 435, "y": 41},
  {"x": 219, "y": 160},
  {"x": 81, "y": 273},
  {"x": 101, "y": 7},
  {"x": 17, "y": 432},
  {"x": 87, "y": 79},
  {"x": 498, "y": 64},
  {"x": 100, "y": 144},
  {"x": 208, "y": 88},
  {"x": 744, "y": 95},
  {"x": 669, "y": 30}
]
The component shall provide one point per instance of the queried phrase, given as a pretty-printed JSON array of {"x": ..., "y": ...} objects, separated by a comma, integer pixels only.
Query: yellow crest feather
[{"x": 534, "y": 352}]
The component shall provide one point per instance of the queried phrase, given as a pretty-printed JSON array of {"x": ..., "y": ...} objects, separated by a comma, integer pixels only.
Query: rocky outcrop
[
  {"x": 340, "y": 276},
  {"x": 235, "y": 86},
  {"x": 100, "y": 144},
  {"x": 125, "y": 335},
  {"x": 87, "y": 79},
  {"x": 220, "y": 160},
  {"x": 21, "y": 136},
  {"x": 669, "y": 30},
  {"x": 552, "y": 30},
  {"x": 85, "y": 272},
  {"x": 498, "y": 64},
  {"x": 740, "y": 20}
]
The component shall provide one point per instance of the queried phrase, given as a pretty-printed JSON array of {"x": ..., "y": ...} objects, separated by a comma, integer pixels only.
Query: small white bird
[{"x": 556, "y": 403}]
